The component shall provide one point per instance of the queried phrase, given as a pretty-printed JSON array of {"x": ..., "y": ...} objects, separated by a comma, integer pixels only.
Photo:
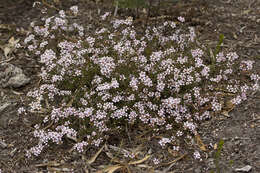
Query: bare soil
[{"x": 238, "y": 20}]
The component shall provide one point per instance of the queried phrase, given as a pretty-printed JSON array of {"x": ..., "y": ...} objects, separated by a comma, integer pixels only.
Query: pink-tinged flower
[
  {"x": 29, "y": 38},
  {"x": 171, "y": 102},
  {"x": 21, "y": 110},
  {"x": 176, "y": 148},
  {"x": 41, "y": 31},
  {"x": 36, "y": 150},
  {"x": 145, "y": 79},
  {"x": 255, "y": 77},
  {"x": 62, "y": 13},
  {"x": 217, "y": 79},
  {"x": 232, "y": 56},
  {"x": 105, "y": 15},
  {"x": 74, "y": 10},
  {"x": 192, "y": 34},
  {"x": 232, "y": 89},
  {"x": 48, "y": 56},
  {"x": 80, "y": 146},
  {"x": 168, "y": 127},
  {"x": 246, "y": 65},
  {"x": 216, "y": 106},
  {"x": 197, "y": 155},
  {"x": 43, "y": 44},
  {"x": 156, "y": 56},
  {"x": 220, "y": 57},
  {"x": 97, "y": 142},
  {"x": 181, "y": 19},
  {"x": 189, "y": 125},
  {"x": 237, "y": 100},
  {"x": 134, "y": 83},
  {"x": 197, "y": 53},
  {"x": 255, "y": 87},
  {"x": 182, "y": 60},
  {"x": 164, "y": 141},
  {"x": 160, "y": 86},
  {"x": 107, "y": 65},
  {"x": 179, "y": 133},
  {"x": 156, "y": 161}
]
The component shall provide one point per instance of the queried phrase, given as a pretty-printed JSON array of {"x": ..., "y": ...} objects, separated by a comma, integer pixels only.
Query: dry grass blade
[
  {"x": 173, "y": 162},
  {"x": 117, "y": 149},
  {"x": 92, "y": 160},
  {"x": 49, "y": 164},
  {"x": 140, "y": 161},
  {"x": 51, "y": 169},
  {"x": 143, "y": 166},
  {"x": 110, "y": 155},
  {"x": 137, "y": 150},
  {"x": 110, "y": 169}
]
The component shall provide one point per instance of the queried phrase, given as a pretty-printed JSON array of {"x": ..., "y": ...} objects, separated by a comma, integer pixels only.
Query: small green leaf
[{"x": 217, "y": 50}]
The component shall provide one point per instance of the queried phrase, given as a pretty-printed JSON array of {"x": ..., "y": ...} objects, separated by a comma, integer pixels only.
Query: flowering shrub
[{"x": 93, "y": 83}]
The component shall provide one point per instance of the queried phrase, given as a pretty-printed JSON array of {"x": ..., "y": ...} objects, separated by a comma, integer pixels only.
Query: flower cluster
[{"x": 95, "y": 82}]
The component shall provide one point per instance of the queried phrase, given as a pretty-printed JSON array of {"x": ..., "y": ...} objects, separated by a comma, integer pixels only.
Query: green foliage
[
  {"x": 213, "y": 55},
  {"x": 217, "y": 50},
  {"x": 217, "y": 155}
]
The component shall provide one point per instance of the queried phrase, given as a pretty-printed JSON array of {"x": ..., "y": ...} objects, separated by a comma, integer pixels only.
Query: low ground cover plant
[{"x": 94, "y": 83}]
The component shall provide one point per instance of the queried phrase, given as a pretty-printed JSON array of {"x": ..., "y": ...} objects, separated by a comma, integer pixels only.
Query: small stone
[
  {"x": 211, "y": 163},
  {"x": 12, "y": 76},
  {"x": 18, "y": 80},
  {"x": 247, "y": 168},
  {"x": 198, "y": 170}
]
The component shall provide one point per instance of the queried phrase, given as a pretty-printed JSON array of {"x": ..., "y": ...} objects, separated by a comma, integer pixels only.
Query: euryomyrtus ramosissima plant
[{"x": 95, "y": 83}]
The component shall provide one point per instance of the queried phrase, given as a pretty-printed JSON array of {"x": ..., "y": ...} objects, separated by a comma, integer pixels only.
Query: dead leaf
[
  {"x": 234, "y": 35},
  {"x": 215, "y": 146},
  {"x": 92, "y": 160},
  {"x": 225, "y": 113},
  {"x": 229, "y": 106},
  {"x": 10, "y": 46},
  {"x": 200, "y": 143},
  {"x": 7, "y": 50},
  {"x": 12, "y": 42},
  {"x": 246, "y": 12}
]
